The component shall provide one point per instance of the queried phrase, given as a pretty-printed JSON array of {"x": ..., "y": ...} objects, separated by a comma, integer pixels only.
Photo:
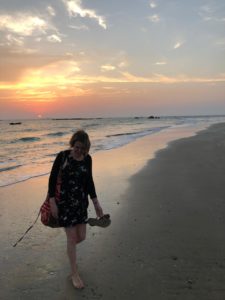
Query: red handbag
[{"x": 46, "y": 217}]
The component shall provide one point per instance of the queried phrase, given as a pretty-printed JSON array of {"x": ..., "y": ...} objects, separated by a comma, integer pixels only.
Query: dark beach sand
[
  {"x": 177, "y": 239},
  {"x": 166, "y": 240}
]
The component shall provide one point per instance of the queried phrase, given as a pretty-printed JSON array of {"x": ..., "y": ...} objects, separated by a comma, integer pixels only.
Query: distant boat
[
  {"x": 15, "y": 123},
  {"x": 152, "y": 117}
]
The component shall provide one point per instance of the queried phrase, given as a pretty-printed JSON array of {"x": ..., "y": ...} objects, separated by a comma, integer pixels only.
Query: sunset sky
[{"x": 92, "y": 58}]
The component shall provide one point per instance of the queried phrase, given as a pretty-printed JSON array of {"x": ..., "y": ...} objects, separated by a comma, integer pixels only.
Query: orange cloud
[{"x": 64, "y": 78}]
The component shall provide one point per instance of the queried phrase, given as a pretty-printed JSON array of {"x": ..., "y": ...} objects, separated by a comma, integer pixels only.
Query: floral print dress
[{"x": 76, "y": 184}]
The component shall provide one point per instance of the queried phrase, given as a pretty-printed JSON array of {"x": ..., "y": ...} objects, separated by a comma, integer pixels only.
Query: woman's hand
[
  {"x": 98, "y": 209},
  {"x": 53, "y": 207}
]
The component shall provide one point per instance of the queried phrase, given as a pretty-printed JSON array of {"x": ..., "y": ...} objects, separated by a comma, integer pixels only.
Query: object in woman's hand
[{"x": 104, "y": 221}]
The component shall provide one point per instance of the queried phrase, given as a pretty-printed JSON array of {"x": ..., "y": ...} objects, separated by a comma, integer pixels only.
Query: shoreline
[
  {"x": 120, "y": 175},
  {"x": 179, "y": 132}
]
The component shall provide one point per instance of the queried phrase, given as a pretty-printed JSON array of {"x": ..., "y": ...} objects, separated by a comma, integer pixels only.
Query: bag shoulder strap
[
  {"x": 64, "y": 160},
  {"x": 28, "y": 229}
]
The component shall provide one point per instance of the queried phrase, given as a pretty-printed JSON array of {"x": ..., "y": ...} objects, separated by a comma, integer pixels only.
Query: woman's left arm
[
  {"x": 98, "y": 208},
  {"x": 92, "y": 192}
]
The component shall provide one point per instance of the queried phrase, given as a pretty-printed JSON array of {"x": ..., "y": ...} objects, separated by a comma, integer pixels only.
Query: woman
[{"x": 77, "y": 183}]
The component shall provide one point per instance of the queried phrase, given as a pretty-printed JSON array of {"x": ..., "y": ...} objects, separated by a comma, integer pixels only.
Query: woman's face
[{"x": 78, "y": 149}]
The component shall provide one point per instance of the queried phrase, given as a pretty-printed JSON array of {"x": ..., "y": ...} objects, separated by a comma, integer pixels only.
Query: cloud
[
  {"x": 63, "y": 79},
  {"x": 152, "y": 4},
  {"x": 123, "y": 64},
  {"x": 210, "y": 13},
  {"x": 161, "y": 63},
  {"x": 80, "y": 27},
  {"x": 14, "y": 44},
  {"x": 54, "y": 38},
  {"x": 38, "y": 39},
  {"x": 75, "y": 8},
  {"x": 108, "y": 88},
  {"x": 18, "y": 60},
  {"x": 220, "y": 43},
  {"x": 160, "y": 78},
  {"x": 22, "y": 50},
  {"x": 51, "y": 11},
  {"x": 44, "y": 82},
  {"x": 209, "y": 18},
  {"x": 62, "y": 68},
  {"x": 178, "y": 45},
  {"x": 154, "y": 18},
  {"x": 106, "y": 68},
  {"x": 206, "y": 9},
  {"x": 14, "y": 41},
  {"x": 58, "y": 75},
  {"x": 23, "y": 24}
]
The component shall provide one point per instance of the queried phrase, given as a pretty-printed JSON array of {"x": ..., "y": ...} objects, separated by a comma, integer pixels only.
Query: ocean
[{"x": 28, "y": 149}]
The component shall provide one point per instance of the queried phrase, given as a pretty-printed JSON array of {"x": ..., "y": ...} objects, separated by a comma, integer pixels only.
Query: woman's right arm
[
  {"x": 52, "y": 184},
  {"x": 54, "y": 174}
]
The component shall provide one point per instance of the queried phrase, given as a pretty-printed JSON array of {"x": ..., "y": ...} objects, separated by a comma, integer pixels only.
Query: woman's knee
[
  {"x": 81, "y": 238},
  {"x": 81, "y": 232},
  {"x": 73, "y": 240},
  {"x": 76, "y": 234}
]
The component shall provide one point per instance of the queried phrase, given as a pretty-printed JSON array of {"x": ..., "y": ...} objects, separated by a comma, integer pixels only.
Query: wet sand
[{"x": 166, "y": 240}]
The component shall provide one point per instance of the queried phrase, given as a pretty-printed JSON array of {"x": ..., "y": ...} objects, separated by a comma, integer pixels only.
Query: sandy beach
[{"x": 166, "y": 240}]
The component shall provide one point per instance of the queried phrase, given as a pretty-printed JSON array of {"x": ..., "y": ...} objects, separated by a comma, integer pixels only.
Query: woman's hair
[{"x": 82, "y": 137}]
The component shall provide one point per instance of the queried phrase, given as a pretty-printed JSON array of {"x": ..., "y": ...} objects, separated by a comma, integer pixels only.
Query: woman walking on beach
[{"x": 77, "y": 183}]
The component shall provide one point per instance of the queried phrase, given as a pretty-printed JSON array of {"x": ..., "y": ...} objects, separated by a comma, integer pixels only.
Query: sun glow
[
  {"x": 64, "y": 79},
  {"x": 47, "y": 83}
]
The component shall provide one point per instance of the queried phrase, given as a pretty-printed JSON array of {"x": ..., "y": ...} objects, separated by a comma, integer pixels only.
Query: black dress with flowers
[{"x": 76, "y": 184}]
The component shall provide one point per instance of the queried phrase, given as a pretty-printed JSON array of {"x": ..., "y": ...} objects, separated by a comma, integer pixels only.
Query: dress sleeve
[
  {"x": 54, "y": 174},
  {"x": 91, "y": 185}
]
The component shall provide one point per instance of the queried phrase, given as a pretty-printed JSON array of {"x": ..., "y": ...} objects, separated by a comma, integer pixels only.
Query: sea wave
[
  {"x": 31, "y": 129},
  {"x": 119, "y": 139},
  {"x": 21, "y": 179},
  {"x": 91, "y": 125},
  {"x": 122, "y": 134},
  {"x": 138, "y": 133},
  {"x": 51, "y": 155},
  {"x": 28, "y": 139},
  {"x": 54, "y": 134},
  {"x": 9, "y": 168}
]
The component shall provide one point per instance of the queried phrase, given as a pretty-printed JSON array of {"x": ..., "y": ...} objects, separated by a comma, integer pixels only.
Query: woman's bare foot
[{"x": 77, "y": 282}]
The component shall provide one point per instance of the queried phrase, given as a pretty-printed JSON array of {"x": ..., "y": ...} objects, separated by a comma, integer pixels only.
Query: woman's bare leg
[
  {"x": 75, "y": 235},
  {"x": 81, "y": 232}
]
